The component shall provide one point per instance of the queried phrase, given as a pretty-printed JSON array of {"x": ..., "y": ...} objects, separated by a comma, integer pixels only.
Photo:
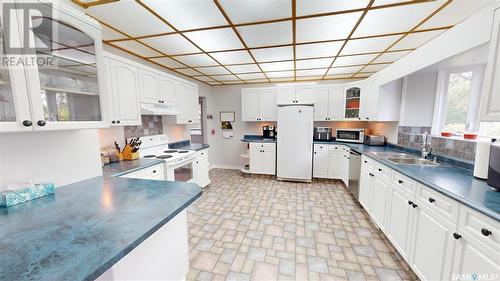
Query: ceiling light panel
[
  {"x": 339, "y": 76},
  {"x": 309, "y": 7},
  {"x": 233, "y": 57},
  {"x": 280, "y": 74},
  {"x": 277, "y": 66},
  {"x": 326, "y": 28},
  {"x": 171, "y": 44},
  {"x": 391, "y": 56},
  {"x": 215, "y": 39},
  {"x": 395, "y": 19},
  {"x": 204, "y": 78},
  {"x": 454, "y": 13},
  {"x": 188, "y": 71},
  {"x": 137, "y": 48},
  {"x": 267, "y": 34},
  {"x": 257, "y": 81},
  {"x": 244, "y": 68},
  {"x": 344, "y": 70},
  {"x": 313, "y": 63},
  {"x": 374, "y": 67},
  {"x": 251, "y": 76},
  {"x": 244, "y": 11},
  {"x": 185, "y": 15},
  {"x": 318, "y": 50},
  {"x": 110, "y": 34},
  {"x": 147, "y": 25},
  {"x": 354, "y": 60},
  {"x": 168, "y": 62},
  {"x": 227, "y": 78},
  {"x": 369, "y": 45},
  {"x": 311, "y": 72},
  {"x": 196, "y": 60},
  {"x": 308, "y": 78},
  {"x": 273, "y": 54},
  {"x": 415, "y": 40},
  {"x": 213, "y": 70}
]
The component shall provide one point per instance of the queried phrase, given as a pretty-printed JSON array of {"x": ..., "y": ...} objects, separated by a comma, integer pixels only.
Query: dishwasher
[{"x": 354, "y": 173}]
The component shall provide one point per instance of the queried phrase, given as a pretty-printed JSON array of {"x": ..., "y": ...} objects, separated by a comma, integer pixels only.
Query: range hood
[{"x": 164, "y": 109}]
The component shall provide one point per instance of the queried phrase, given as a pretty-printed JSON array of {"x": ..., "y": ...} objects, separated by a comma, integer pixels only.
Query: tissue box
[{"x": 12, "y": 197}]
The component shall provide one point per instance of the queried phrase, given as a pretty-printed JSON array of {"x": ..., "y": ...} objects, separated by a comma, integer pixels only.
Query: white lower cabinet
[
  {"x": 329, "y": 162},
  {"x": 262, "y": 158},
  {"x": 426, "y": 229},
  {"x": 431, "y": 251},
  {"x": 156, "y": 172},
  {"x": 200, "y": 168}
]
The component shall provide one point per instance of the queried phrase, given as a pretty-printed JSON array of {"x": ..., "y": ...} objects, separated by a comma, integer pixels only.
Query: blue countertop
[
  {"x": 124, "y": 167},
  {"x": 86, "y": 227},
  {"x": 187, "y": 145},
  {"x": 455, "y": 182},
  {"x": 256, "y": 138}
]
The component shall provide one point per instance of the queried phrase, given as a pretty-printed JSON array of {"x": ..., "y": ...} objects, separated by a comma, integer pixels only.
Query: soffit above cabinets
[{"x": 222, "y": 42}]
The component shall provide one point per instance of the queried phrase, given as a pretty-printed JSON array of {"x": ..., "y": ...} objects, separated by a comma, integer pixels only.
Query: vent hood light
[{"x": 151, "y": 109}]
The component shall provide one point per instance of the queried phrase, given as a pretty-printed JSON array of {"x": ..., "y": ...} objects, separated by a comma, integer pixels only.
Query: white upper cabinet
[
  {"x": 167, "y": 90},
  {"x": 186, "y": 101},
  {"x": 295, "y": 94},
  {"x": 352, "y": 101},
  {"x": 490, "y": 105},
  {"x": 149, "y": 82},
  {"x": 66, "y": 88},
  {"x": 381, "y": 103},
  {"x": 258, "y": 104},
  {"x": 123, "y": 84},
  {"x": 328, "y": 103}
]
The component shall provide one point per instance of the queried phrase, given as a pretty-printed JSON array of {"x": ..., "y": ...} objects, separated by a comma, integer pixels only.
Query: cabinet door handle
[
  {"x": 432, "y": 200},
  {"x": 410, "y": 203},
  {"x": 118, "y": 121},
  {"x": 27, "y": 123},
  {"x": 414, "y": 205},
  {"x": 364, "y": 161},
  {"x": 41, "y": 123},
  {"x": 154, "y": 171},
  {"x": 485, "y": 232},
  {"x": 379, "y": 169},
  {"x": 113, "y": 122},
  {"x": 400, "y": 181},
  {"x": 457, "y": 236},
  {"x": 189, "y": 121}
]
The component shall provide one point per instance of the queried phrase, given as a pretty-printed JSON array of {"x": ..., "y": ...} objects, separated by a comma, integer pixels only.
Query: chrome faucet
[{"x": 425, "y": 137}]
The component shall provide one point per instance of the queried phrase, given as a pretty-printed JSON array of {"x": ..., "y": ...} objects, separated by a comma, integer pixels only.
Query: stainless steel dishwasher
[{"x": 354, "y": 173}]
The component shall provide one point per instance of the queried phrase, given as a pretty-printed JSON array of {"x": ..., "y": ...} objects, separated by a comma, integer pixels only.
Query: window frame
[{"x": 441, "y": 100}]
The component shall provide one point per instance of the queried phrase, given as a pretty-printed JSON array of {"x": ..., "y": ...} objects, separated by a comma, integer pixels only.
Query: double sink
[{"x": 404, "y": 159}]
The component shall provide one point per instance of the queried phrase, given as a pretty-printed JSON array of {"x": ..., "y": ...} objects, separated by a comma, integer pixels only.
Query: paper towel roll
[{"x": 481, "y": 163}]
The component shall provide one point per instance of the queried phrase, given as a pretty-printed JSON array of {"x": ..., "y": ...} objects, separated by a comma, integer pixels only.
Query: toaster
[
  {"x": 374, "y": 140},
  {"x": 494, "y": 166}
]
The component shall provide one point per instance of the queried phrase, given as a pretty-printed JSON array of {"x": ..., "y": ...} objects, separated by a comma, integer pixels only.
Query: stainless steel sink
[
  {"x": 392, "y": 155},
  {"x": 412, "y": 161}
]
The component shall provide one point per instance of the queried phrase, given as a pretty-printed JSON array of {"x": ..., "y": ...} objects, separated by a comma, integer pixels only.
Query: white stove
[{"x": 178, "y": 163}]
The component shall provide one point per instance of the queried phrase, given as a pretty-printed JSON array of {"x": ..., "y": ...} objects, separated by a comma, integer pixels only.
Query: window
[{"x": 457, "y": 100}]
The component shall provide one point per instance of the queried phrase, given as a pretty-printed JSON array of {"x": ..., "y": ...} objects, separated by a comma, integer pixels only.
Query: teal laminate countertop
[
  {"x": 454, "y": 182},
  {"x": 86, "y": 227},
  {"x": 256, "y": 138}
]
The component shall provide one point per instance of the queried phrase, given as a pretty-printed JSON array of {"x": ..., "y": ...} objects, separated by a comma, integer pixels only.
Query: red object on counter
[
  {"x": 470, "y": 136},
  {"x": 446, "y": 134}
]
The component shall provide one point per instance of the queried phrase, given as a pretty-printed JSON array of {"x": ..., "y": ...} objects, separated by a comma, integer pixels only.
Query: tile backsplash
[
  {"x": 151, "y": 125},
  {"x": 412, "y": 137}
]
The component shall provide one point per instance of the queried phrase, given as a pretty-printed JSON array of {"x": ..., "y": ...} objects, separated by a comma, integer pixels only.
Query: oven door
[
  {"x": 350, "y": 135},
  {"x": 183, "y": 173}
]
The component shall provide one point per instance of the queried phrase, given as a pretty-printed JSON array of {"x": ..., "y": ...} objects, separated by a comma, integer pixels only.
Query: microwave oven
[{"x": 350, "y": 135}]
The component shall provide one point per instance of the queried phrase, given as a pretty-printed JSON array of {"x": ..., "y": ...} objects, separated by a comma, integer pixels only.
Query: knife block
[{"x": 128, "y": 155}]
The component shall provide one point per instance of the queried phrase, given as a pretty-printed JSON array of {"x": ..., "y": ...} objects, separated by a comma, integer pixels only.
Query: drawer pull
[
  {"x": 154, "y": 171},
  {"x": 414, "y": 205},
  {"x": 379, "y": 169},
  {"x": 432, "y": 200},
  {"x": 410, "y": 203},
  {"x": 485, "y": 232},
  {"x": 365, "y": 160},
  {"x": 457, "y": 236},
  {"x": 400, "y": 181}
]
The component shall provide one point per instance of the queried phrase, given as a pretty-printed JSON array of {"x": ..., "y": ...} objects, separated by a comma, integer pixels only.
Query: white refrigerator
[{"x": 295, "y": 142}]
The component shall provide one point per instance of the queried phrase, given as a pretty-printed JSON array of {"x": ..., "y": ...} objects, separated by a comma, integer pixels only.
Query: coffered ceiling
[{"x": 224, "y": 42}]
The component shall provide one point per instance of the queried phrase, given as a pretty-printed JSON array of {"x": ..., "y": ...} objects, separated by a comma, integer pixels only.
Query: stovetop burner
[
  {"x": 183, "y": 151},
  {"x": 149, "y": 156},
  {"x": 170, "y": 151},
  {"x": 164, "y": 156}
]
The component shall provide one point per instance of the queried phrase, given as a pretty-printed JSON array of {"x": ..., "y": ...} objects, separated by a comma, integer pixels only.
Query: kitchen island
[{"x": 97, "y": 226}]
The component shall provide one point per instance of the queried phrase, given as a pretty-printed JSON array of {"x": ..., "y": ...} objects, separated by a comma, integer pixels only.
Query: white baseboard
[{"x": 228, "y": 167}]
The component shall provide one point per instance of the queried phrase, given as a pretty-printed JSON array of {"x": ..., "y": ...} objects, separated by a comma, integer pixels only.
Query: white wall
[
  {"x": 417, "y": 103},
  {"x": 59, "y": 157}
]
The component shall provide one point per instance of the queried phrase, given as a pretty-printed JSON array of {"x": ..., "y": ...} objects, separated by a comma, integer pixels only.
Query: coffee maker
[{"x": 269, "y": 132}]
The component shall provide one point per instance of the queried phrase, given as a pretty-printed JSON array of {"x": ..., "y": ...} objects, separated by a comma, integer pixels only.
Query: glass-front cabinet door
[
  {"x": 352, "y": 103},
  {"x": 66, "y": 85},
  {"x": 15, "y": 112}
]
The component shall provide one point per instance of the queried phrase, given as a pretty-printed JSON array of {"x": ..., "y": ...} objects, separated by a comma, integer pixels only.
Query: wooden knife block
[{"x": 128, "y": 154}]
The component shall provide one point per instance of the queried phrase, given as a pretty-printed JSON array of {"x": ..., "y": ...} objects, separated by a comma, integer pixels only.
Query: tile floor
[{"x": 257, "y": 228}]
